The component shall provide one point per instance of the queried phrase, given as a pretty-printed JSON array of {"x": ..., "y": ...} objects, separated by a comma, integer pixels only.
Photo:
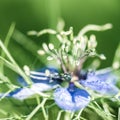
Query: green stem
[
  {"x": 100, "y": 112},
  {"x": 6, "y": 42},
  {"x": 59, "y": 115},
  {"x": 5, "y": 94},
  {"x": 37, "y": 99},
  {"x": 79, "y": 114},
  {"x": 13, "y": 63},
  {"x": 44, "y": 113},
  {"x": 107, "y": 110},
  {"x": 67, "y": 115},
  {"x": 36, "y": 109}
]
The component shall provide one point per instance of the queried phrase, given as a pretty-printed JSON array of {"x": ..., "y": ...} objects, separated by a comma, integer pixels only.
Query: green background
[{"x": 40, "y": 14}]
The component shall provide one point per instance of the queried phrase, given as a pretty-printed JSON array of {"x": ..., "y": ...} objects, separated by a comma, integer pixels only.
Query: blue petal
[
  {"x": 52, "y": 70},
  {"x": 71, "y": 100},
  {"x": 24, "y": 93},
  {"x": 100, "y": 83},
  {"x": 40, "y": 87},
  {"x": 21, "y": 81},
  {"x": 107, "y": 75},
  {"x": 42, "y": 82}
]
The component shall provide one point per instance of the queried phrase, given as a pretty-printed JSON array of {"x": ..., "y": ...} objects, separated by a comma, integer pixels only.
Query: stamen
[
  {"x": 37, "y": 73},
  {"x": 38, "y": 78},
  {"x": 44, "y": 76}
]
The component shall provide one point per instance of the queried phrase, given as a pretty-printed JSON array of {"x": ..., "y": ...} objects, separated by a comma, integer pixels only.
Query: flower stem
[
  {"x": 6, "y": 42},
  {"x": 59, "y": 115},
  {"x": 67, "y": 115},
  {"x": 36, "y": 109},
  {"x": 44, "y": 113}
]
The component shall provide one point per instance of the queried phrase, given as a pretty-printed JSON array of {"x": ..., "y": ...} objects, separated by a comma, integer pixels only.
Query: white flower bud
[
  {"x": 51, "y": 46},
  {"x": 41, "y": 52}
]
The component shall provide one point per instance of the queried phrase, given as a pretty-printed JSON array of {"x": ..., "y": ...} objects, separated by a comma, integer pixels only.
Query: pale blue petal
[
  {"x": 43, "y": 87},
  {"x": 100, "y": 84},
  {"x": 22, "y": 93},
  {"x": 107, "y": 75},
  {"x": 22, "y": 82},
  {"x": 71, "y": 101}
]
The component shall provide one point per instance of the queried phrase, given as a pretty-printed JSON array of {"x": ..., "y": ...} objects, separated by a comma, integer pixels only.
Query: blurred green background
[{"x": 40, "y": 14}]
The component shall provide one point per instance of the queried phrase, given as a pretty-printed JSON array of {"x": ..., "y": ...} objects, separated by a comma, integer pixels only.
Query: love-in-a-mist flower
[{"x": 70, "y": 55}]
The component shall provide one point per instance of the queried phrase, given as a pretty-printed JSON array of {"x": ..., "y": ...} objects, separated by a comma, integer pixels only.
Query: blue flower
[
  {"x": 71, "y": 98},
  {"x": 103, "y": 83}
]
